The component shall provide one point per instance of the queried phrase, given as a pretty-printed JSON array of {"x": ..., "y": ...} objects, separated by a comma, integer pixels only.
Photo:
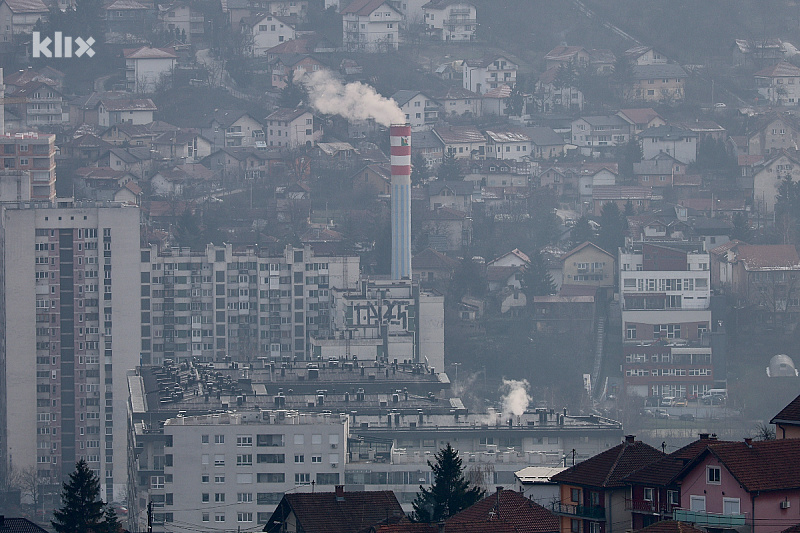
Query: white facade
[
  {"x": 71, "y": 278},
  {"x": 19, "y": 20},
  {"x": 144, "y": 74},
  {"x": 421, "y": 112},
  {"x": 508, "y": 145},
  {"x": 377, "y": 30},
  {"x": 230, "y": 470},
  {"x": 586, "y": 184},
  {"x": 268, "y": 32},
  {"x": 456, "y": 21},
  {"x": 483, "y": 76},
  {"x": 292, "y": 130},
  {"x": 680, "y": 144}
]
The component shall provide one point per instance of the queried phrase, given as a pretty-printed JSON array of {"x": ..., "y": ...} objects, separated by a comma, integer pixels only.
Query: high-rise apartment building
[
  {"x": 69, "y": 331},
  {"x": 243, "y": 304},
  {"x": 35, "y": 153}
]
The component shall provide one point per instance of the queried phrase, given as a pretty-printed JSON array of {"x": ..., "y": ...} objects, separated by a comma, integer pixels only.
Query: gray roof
[
  {"x": 542, "y": 136},
  {"x": 667, "y": 132},
  {"x": 605, "y": 120},
  {"x": 459, "y": 188},
  {"x": 657, "y": 165},
  {"x": 646, "y": 72},
  {"x": 403, "y": 96},
  {"x": 425, "y": 139}
]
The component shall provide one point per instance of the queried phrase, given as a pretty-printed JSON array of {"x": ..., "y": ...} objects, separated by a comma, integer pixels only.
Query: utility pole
[{"x": 149, "y": 516}]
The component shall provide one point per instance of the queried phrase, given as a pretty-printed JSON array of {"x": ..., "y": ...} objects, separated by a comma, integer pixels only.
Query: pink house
[{"x": 749, "y": 486}]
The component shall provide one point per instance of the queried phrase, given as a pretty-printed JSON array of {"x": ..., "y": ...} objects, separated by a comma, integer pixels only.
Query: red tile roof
[
  {"x": 759, "y": 466},
  {"x": 665, "y": 471},
  {"x": 639, "y": 115},
  {"x": 670, "y": 526},
  {"x": 790, "y": 413},
  {"x": 607, "y": 469},
  {"x": 768, "y": 256},
  {"x": 781, "y": 69},
  {"x": 430, "y": 259},
  {"x": 322, "y": 512},
  {"x": 511, "y": 508}
]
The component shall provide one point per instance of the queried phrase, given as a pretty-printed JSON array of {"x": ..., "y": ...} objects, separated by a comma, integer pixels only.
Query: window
[
  {"x": 219, "y": 496},
  {"x": 244, "y": 517},
  {"x": 156, "y": 482},
  {"x": 205, "y": 517},
  {"x": 594, "y": 527},
  {"x": 575, "y": 495},
  {"x": 713, "y": 475},
  {"x": 648, "y": 494},
  {"x": 219, "y": 479},
  {"x": 299, "y": 458},
  {"x": 244, "y": 497},
  {"x": 219, "y": 439},
  {"x": 219, "y": 460},
  {"x": 697, "y": 503},
  {"x": 205, "y": 497},
  {"x": 244, "y": 441},
  {"x": 316, "y": 458},
  {"x": 302, "y": 479},
  {"x": 673, "y": 498},
  {"x": 244, "y": 460},
  {"x": 271, "y": 477},
  {"x": 630, "y": 331},
  {"x": 205, "y": 478},
  {"x": 219, "y": 517},
  {"x": 575, "y": 526},
  {"x": 730, "y": 506}
]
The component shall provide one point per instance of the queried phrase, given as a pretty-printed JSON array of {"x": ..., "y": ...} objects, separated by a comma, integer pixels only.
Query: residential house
[
  {"x": 299, "y": 65},
  {"x": 266, "y": 31},
  {"x": 601, "y": 61},
  {"x": 787, "y": 421},
  {"x": 307, "y": 42},
  {"x": 127, "y": 16},
  {"x": 457, "y": 101},
  {"x": 19, "y": 525},
  {"x": 127, "y": 134},
  {"x": 85, "y": 148},
  {"x": 283, "y": 8},
  {"x": 588, "y": 265},
  {"x": 575, "y": 182},
  {"x": 592, "y": 492},
  {"x": 641, "y": 119},
  {"x": 244, "y": 163},
  {"x": 458, "y": 195},
  {"x": 185, "y": 146},
  {"x": 377, "y": 178},
  {"x": 445, "y": 230},
  {"x": 429, "y": 146},
  {"x": 551, "y": 96},
  {"x": 759, "y": 52},
  {"x": 340, "y": 511},
  {"x": 767, "y": 179},
  {"x": 181, "y": 19},
  {"x": 546, "y": 143},
  {"x": 779, "y": 84},
  {"x": 179, "y": 182},
  {"x": 495, "y": 101},
  {"x": 671, "y": 140},
  {"x": 657, "y": 83},
  {"x": 292, "y": 128},
  {"x": 659, "y": 171},
  {"x": 130, "y": 111},
  {"x": 18, "y": 17},
  {"x": 504, "y": 176},
  {"x": 572, "y": 315},
  {"x": 451, "y": 20},
  {"x": 598, "y": 132},
  {"x": 640, "y": 197},
  {"x": 763, "y": 278},
  {"x": 505, "y": 511},
  {"x": 43, "y": 105},
  {"x": 430, "y": 267},
  {"x": 535, "y": 482},
  {"x": 462, "y": 141},
  {"x": 371, "y": 26},
  {"x": 34, "y": 154},
  {"x": 705, "y": 129},
  {"x": 508, "y": 143},
  {"x": 100, "y": 183},
  {"x": 750, "y": 484},
  {"x": 506, "y": 270},
  {"x": 335, "y": 156},
  {"x": 655, "y": 490},
  {"x": 772, "y": 134},
  {"x": 481, "y": 76},
  {"x": 47, "y": 74},
  {"x": 421, "y": 110},
  {"x": 126, "y": 160},
  {"x": 644, "y": 55},
  {"x": 233, "y": 128},
  {"x": 148, "y": 68}
]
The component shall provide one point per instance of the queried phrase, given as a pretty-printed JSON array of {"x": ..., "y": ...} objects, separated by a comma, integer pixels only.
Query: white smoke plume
[
  {"x": 515, "y": 396},
  {"x": 354, "y": 101}
]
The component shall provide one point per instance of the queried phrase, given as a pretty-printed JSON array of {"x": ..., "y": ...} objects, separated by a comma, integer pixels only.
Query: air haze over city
[{"x": 399, "y": 266}]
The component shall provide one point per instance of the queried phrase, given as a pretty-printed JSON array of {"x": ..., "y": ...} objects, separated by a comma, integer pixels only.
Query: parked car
[
  {"x": 668, "y": 401},
  {"x": 713, "y": 399},
  {"x": 687, "y": 417},
  {"x": 680, "y": 402},
  {"x": 661, "y": 413}
]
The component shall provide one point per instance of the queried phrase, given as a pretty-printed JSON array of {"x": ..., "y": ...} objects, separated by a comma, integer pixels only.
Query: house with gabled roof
[
  {"x": 599, "y": 60},
  {"x": 375, "y": 177},
  {"x": 233, "y": 127},
  {"x": 335, "y": 512},
  {"x": 787, "y": 421},
  {"x": 592, "y": 492},
  {"x": 146, "y": 67},
  {"x": 779, "y": 84},
  {"x": 600, "y": 131},
  {"x": 127, "y": 110},
  {"x": 482, "y": 75},
  {"x": 508, "y": 142},
  {"x": 451, "y": 20},
  {"x": 127, "y": 16},
  {"x": 750, "y": 484},
  {"x": 183, "y": 146},
  {"x": 462, "y": 141},
  {"x": 640, "y": 197},
  {"x": 588, "y": 265},
  {"x": 18, "y": 17},
  {"x": 446, "y": 229},
  {"x": 458, "y": 101},
  {"x": 644, "y": 55},
  {"x": 773, "y": 133},
  {"x": 43, "y": 105},
  {"x": 657, "y": 83},
  {"x": 551, "y": 96},
  {"x": 289, "y": 128},
  {"x": 19, "y": 525},
  {"x": 458, "y": 195},
  {"x": 671, "y": 140},
  {"x": 659, "y": 171},
  {"x": 296, "y": 65},
  {"x": 266, "y": 31},
  {"x": 768, "y": 177},
  {"x": 420, "y": 109},
  {"x": 641, "y": 119},
  {"x": 371, "y": 26},
  {"x": 430, "y": 266}
]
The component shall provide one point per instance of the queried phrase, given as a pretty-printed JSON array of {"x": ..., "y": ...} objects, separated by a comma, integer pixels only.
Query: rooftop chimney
[
  {"x": 704, "y": 436},
  {"x": 749, "y": 442},
  {"x": 339, "y": 493},
  {"x": 630, "y": 439}
]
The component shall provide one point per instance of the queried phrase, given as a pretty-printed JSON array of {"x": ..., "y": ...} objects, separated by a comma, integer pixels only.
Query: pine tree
[
  {"x": 419, "y": 168},
  {"x": 82, "y": 508},
  {"x": 581, "y": 231},
  {"x": 612, "y": 228},
  {"x": 449, "y": 170},
  {"x": 450, "y": 491},
  {"x": 111, "y": 523},
  {"x": 536, "y": 279}
]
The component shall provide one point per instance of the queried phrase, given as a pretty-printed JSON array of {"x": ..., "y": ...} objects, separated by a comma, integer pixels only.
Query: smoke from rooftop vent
[
  {"x": 353, "y": 101},
  {"x": 515, "y": 396}
]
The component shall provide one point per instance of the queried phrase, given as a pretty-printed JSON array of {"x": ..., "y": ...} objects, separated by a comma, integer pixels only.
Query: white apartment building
[
  {"x": 267, "y": 31},
  {"x": 371, "y": 26},
  {"x": 229, "y": 470},
  {"x": 291, "y": 128},
  {"x": 451, "y": 20},
  {"x": 483, "y": 75},
  {"x": 245, "y": 304},
  {"x": 146, "y": 68},
  {"x": 71, "y": 324}
]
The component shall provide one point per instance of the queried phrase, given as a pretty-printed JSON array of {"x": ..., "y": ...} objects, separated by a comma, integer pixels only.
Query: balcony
[
  {"x": 592, "y": 512},
  {"x": 642, "y": 506},
  {"x": 704, "y": 519}
]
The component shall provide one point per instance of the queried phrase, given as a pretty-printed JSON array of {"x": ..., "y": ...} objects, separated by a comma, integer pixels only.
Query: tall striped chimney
[{"x": 400, "y": 140}]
